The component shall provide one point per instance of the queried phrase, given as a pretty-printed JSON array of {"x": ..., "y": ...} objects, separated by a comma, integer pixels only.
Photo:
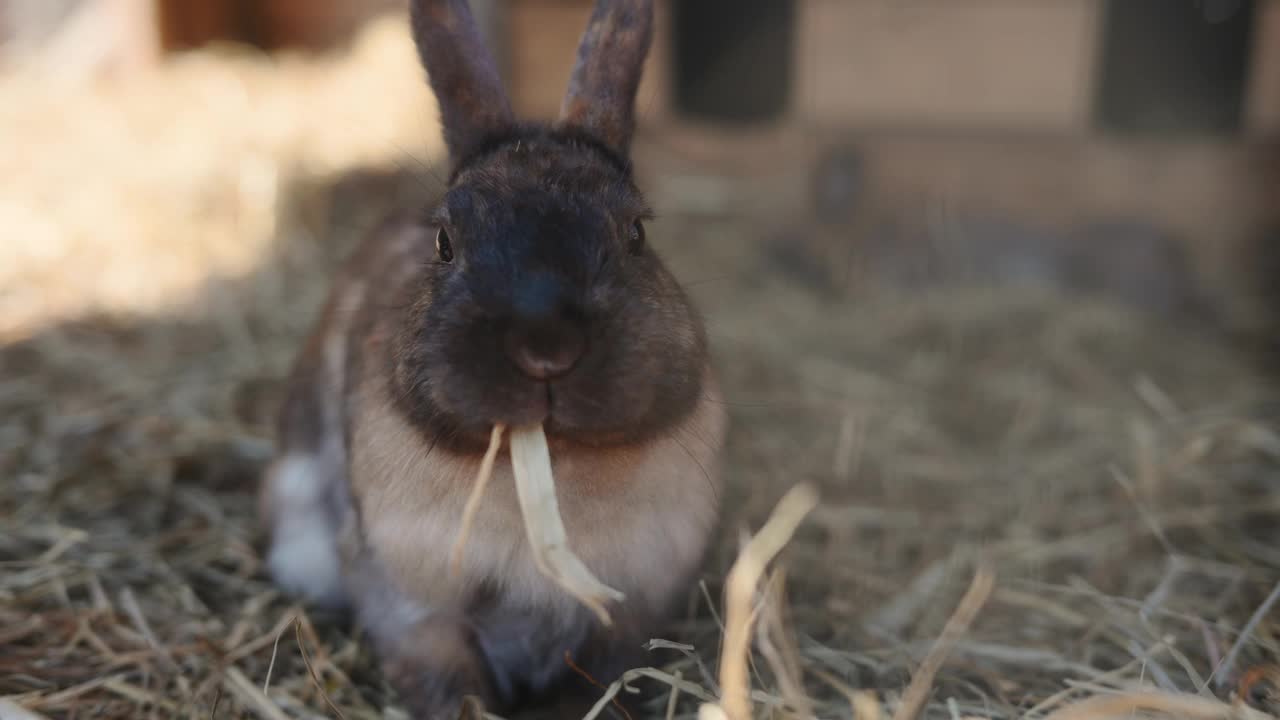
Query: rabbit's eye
[
  {"x": 636, "y": 245},
  {"x": 443, "y": 247}
]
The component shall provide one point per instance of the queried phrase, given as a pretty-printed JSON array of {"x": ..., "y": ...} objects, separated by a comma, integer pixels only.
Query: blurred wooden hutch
[
  {"x": 1042, "y": 110},
  {"x": 1071, "y": 66}
]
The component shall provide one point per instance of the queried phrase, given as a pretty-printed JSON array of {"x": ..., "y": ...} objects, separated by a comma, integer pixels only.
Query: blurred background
[
  {"x": 1050, "y": 135},
  {"x": 998, "y": 276}
]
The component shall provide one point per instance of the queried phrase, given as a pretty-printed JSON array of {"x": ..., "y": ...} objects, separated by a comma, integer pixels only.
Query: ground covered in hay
[{"x": 1117, "y": 475}]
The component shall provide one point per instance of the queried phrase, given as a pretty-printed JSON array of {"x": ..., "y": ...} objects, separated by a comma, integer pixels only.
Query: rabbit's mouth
[
  {"x": 565, "y": 418},
  {"x": 533, "y": 408},
  {"x": 571, "y": 415},
  {"x": 563, "y": 421},
  {"x": 598, "y": 404}
]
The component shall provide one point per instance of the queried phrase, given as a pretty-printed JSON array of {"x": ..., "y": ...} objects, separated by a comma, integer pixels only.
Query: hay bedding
[{"x": 1118, "y": 479}]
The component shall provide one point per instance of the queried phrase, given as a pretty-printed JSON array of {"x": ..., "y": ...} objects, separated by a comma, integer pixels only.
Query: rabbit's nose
[{"x": 545, "y": 350}]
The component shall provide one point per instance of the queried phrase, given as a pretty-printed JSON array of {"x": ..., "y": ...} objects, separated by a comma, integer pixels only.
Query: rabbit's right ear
[
  {"x": 602, "y": 88},
  {"x": 463, "y": 76}
]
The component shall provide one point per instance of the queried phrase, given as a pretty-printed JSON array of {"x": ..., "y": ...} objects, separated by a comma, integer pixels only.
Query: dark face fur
[
  {"x": 544, "y": 304},
  {"x": 544, "y": 254}
]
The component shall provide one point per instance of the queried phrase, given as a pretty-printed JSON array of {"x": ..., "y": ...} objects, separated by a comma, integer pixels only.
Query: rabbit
[{"x": 526, "y": 293}]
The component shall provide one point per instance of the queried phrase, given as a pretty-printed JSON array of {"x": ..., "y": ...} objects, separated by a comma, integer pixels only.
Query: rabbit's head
[{"x": 541, "y": 300}]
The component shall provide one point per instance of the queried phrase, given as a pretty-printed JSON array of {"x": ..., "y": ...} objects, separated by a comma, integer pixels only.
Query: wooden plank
[
  {"x": 1262, "y": 108},
  {"x": 315, "y": 24},
  {"x": 1004, "y": 64},
  {"x": 187, "y": 24},
  {"x": 1215, "y": 198},
  {"x": 542, "y": 46}
]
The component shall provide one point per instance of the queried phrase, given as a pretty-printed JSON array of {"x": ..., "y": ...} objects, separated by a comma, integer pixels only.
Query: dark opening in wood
[
  {"x": 1174, "y": 66},
  {"x": 732, "y": 59}
]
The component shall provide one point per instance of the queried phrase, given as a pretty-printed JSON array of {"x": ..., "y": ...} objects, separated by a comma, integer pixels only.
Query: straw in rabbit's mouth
[
  {"x": 548, "y": 541},
  {"x": 559, "y": 430}
]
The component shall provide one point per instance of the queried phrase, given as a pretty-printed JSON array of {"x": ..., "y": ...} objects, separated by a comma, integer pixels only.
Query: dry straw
[
  {"x": 743, "y": 581},
  {"x": 536, "y": 490},
  {"x": 917, "y": 693},
  {"x": 477, "y": 494},
  {"x": 548, "y": 540},
  {"x": 1173, "y": 706},
  {"x": 215, "y": 195}
]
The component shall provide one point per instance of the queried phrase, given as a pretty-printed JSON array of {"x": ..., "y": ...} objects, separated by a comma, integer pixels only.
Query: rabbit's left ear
[
  {"x": 602, "y": 89},
  {"x": 463, "y": 75}
]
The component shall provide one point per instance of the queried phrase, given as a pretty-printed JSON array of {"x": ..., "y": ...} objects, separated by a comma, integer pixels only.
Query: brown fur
[
  {"x": 392, "y": 397},
  {"x": 638, "y": 514},
  {"x": 463, "y": 76},
  {"x": 600, "y": 93}
]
